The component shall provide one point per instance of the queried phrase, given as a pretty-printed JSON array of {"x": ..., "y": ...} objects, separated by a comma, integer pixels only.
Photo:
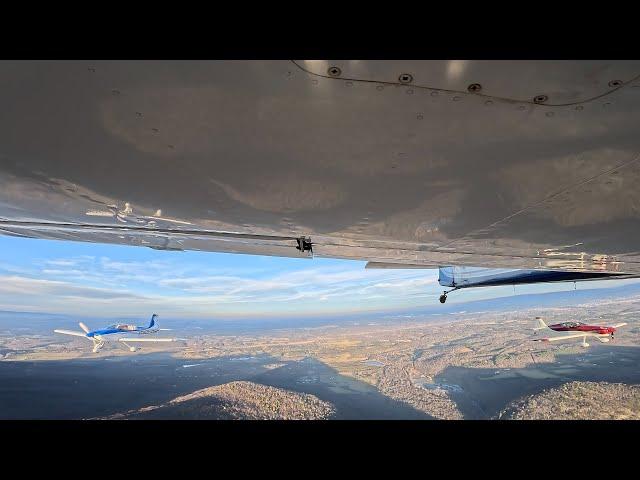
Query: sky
[{"x": 101, "y": 280}]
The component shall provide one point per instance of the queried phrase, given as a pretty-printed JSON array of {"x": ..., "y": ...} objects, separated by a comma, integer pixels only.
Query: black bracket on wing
[{"x": 304, "y": 244}]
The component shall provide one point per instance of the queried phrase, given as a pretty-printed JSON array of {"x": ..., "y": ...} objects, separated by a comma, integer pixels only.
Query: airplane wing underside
[
  {"x": 524, "y": 165},
  {"x": 572, "y": 335}
]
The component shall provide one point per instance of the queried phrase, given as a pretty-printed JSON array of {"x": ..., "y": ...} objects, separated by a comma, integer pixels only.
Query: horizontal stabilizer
[{"x": 618, "y": 325}]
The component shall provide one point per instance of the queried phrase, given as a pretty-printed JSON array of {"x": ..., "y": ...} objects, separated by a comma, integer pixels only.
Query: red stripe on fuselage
[{"x": 583, "y": 328}]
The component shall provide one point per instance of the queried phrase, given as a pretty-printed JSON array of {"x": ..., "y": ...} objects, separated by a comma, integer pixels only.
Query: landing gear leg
[
  {"x": 97, "y": 345},
  {"x": 443, "y": 297},
  {"x": 131, "y": 349}
]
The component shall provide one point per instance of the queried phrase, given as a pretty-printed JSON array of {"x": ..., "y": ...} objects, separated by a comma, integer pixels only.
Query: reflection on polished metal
[{"x": 252, "y": 156}]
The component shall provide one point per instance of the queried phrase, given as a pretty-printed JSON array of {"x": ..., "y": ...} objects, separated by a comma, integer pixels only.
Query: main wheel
[{"x": 443, "y": 298}]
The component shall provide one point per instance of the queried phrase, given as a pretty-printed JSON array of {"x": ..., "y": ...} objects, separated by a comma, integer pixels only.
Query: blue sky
[{"x": 109, "y": 280}]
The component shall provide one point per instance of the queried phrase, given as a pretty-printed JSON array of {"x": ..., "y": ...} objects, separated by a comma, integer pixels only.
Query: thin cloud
[
  {"x": 12, "y": 285},
  {"x": 62, "y": 262},
  {"x": 196, "y": 285}
]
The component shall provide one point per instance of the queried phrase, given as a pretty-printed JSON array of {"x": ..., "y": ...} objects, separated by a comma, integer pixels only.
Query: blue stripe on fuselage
[
  {"x": 108, "y": 331},
  {"x": 105, "y": 331}
]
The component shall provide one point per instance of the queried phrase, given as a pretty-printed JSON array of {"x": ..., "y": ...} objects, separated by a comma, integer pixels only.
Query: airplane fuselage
[
  {"x": 597, "y": 329},
  {"x": 120, "y": 329}
]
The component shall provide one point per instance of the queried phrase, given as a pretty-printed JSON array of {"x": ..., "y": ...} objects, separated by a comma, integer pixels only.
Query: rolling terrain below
[
  {"x": 237, "y": 401},
  {"x": 579, "y": 401}
]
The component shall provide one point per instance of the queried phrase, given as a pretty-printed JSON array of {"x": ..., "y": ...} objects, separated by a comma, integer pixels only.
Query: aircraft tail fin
[
  {"x": 619, "y": 325},
  {"x": 84, "y": 327},
  {"x": 540, "y": 325},
  {"x": 153, "y": 323}
]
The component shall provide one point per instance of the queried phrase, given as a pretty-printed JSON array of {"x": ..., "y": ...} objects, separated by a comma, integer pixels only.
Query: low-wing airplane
[
  {"x": 98, "y": 336},
  {"x": 604, "y": 334}
]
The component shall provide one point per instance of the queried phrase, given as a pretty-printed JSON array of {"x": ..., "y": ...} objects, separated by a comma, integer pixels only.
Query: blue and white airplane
[{"x": 98, "y": 337}]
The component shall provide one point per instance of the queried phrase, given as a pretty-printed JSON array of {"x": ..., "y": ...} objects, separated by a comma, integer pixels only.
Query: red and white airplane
[{"x": 604, "y": 334}]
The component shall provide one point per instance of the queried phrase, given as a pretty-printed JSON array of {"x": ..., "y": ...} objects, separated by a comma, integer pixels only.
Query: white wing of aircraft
[
  {"x": 582, "y": 335},
  {"x": 527, "y": 170},
  {"x": 71, "y": 332}
]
